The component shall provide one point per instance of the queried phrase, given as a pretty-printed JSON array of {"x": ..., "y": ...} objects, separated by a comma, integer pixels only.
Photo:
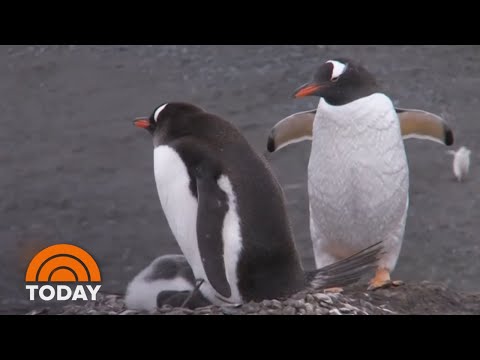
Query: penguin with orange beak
[{"x": 358, "y": 178}]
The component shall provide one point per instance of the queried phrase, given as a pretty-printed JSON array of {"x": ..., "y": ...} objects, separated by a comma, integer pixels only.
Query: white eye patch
[
  {"x": 338, "y": 69},
  {"x": 158, "y": 111}
]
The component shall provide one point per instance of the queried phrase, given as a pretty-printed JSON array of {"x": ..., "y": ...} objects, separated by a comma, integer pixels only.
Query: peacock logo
[{"x": 66, "y": 264}]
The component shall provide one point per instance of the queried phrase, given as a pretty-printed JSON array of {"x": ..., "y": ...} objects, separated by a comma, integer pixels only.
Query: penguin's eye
[{"x": 334, "y": 79}]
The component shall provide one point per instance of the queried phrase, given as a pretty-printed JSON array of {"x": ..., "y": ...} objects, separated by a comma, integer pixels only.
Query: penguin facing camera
[{"x": 358, "y": 179}]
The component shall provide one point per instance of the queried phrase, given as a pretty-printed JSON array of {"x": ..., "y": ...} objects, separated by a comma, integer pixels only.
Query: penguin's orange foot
[
  {"x": 333, "y": 290},
  {"x": 382, "y": 280},
  {"x": 384, "y": 285}
]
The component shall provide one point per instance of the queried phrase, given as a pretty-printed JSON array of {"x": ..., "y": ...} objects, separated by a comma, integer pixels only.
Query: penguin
[
  {"x": 461, "y": 162},
  {"x": 227, "y": 211},
  {"x": 358, "y": 178},
  {"x": 167, "y": 280}
]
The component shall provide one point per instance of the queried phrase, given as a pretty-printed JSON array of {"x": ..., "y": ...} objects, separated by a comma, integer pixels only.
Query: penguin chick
[
  {"x": 167, "y": 280},
  {"x": 461, "y": 162}
]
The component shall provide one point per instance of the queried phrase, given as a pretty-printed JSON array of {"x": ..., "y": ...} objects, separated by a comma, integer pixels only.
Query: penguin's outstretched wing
[
  {"x": 212, "y": 209},
  {"x": 292, "y": 129},
  {"x": 420, "y": 124},
  {"x": 346, "y": 271},
  {"x": 414, "y": 123}
]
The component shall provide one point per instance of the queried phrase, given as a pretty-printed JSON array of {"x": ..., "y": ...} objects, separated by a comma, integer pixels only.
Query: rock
[
  {"x": 38, "y": 312},
  {"x": 289, "y": 302},
  {"x": 128, "y": 312},
  {"x": 267, "y": 303},
  {"x": 299, "y": 304},
  {"x": 309, "y": 309},
  {"x": 250, "y": 308},
  {"x": 176, "y": 312},
  {"x": 289, "y": 310},
  {"x": 335, "y": 312},
  {"x": 323, "y": 298},
  {"x": 276, "y": 304},
  {"x": 321, "y": 311}
]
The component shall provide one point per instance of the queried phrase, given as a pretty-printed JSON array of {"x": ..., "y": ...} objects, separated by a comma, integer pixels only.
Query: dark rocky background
[{"x": 74, "y": 169}]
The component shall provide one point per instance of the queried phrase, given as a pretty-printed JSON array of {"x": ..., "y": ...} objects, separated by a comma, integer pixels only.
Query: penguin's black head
[
  {"x": 339, "y": 81},
  {"x": 170, "y": 120},
  {"x": 151, "y": 123}
]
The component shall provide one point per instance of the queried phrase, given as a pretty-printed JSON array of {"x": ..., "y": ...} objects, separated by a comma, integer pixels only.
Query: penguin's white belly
[
  {"x": 180, "y": 207},
  {"x": 358, "y": 180}
]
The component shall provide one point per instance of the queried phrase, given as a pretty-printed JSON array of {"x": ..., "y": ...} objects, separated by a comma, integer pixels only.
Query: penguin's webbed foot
[
  {"x": 382, "y": 281},
  {"x": 333, "y": 290},
  {"x": 384, "y": 285}
]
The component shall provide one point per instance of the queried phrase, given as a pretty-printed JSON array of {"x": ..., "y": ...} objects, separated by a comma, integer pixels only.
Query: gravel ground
[
  {"x": 74, "y": 169},
  {"x": 412, "y": 299}
]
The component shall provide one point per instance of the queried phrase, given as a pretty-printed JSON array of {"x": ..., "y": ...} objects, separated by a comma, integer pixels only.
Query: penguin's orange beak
[
  {"x": 143, "y": 123},
  {"x": 310, "y": 89}
]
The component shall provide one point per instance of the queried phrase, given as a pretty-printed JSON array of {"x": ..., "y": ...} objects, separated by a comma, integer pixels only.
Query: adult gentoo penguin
[
  {"x": 227, "y": 212},
  {"x": 358, "y": 179}
]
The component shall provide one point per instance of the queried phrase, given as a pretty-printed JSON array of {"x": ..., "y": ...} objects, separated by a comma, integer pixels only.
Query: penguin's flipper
[
  {"x": 347, "y": 271},
  {"x": 421, "y": 124},
  {"x": 292, "y": 129},
  {"x": 212, "y": 209}
]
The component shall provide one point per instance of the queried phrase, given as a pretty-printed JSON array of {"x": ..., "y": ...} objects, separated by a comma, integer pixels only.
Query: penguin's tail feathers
[{"x": 346, "y": 271}]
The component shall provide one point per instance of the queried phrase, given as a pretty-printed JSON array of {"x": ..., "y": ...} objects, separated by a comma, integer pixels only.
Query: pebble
[
  {"x": 310, "y": 299},
  {"x": 250, "y": 308},
  {"x": 111, "y": 300},
  {"x": 38, "y": 312},
  {"x": 267, "y": 303},
  {"x": 126, "y": 312},
  {"x": 289, "y": 310},
  {"x": 309, "y": 309},
  {"x": 349, "y": 307},
  {"x": 321, "y": 311},
  {"x": 335, "y": 312},
  {"x": 176, "y": 312},
  {"x": 323, "y": 297},
  {"x": 299, "y": 304},
  {"x": 276, "y": 304}
]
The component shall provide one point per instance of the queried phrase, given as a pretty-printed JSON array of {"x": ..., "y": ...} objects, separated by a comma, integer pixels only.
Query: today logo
[{"x": 63, "y": 263}]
